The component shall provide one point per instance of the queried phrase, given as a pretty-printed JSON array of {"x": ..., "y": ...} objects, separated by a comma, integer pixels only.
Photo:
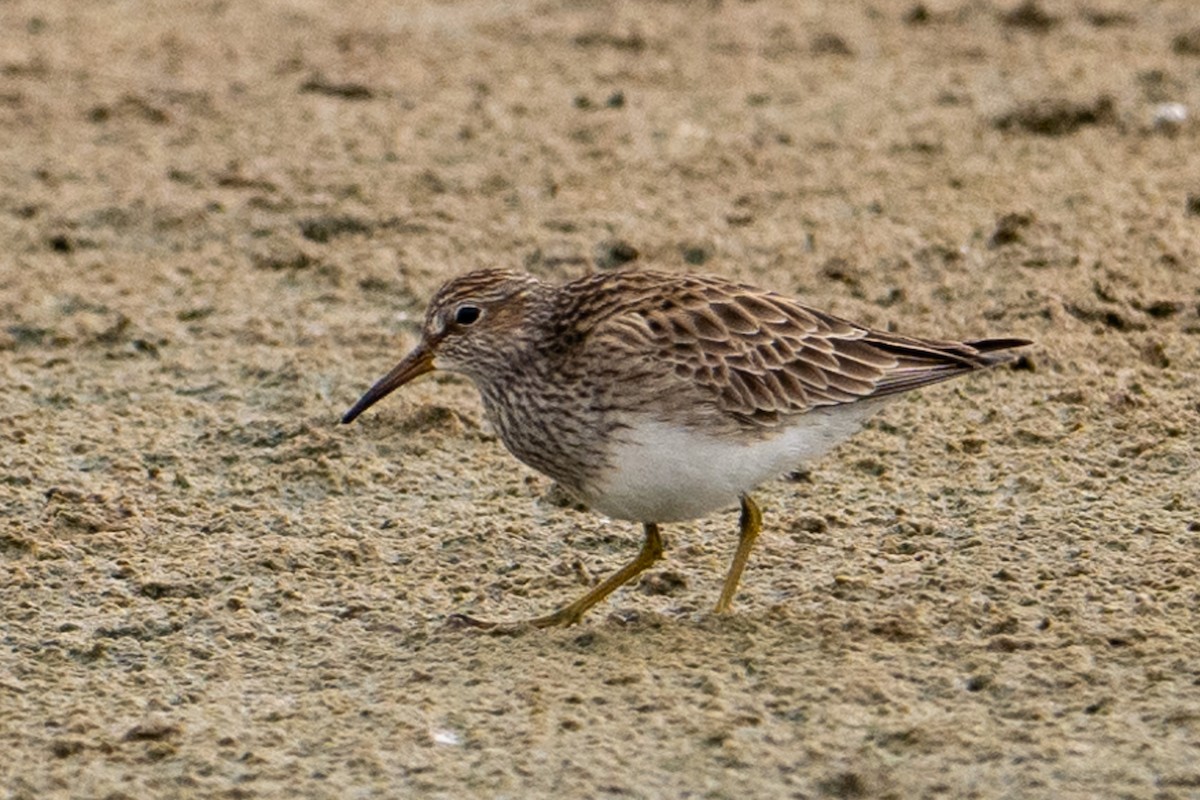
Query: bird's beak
[{"x": 416, "y": 363}]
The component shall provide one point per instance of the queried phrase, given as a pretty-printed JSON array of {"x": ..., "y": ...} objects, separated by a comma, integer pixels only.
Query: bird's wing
[{"x": 764, "y": 357}]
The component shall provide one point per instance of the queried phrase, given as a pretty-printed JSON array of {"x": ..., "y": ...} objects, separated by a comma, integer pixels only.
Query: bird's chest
[{"x": 556, "y": 427}]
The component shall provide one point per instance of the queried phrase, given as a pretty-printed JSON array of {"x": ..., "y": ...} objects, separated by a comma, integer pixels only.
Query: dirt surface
[{"x": 220, "y": 222}]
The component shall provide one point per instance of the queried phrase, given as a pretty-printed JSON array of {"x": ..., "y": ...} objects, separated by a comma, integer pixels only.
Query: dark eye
[{"x": 465, "y": 315}]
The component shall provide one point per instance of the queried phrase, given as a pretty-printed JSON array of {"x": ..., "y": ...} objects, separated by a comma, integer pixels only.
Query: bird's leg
[
  {"x": 751, "y": 524},
  {"x": 652, "y": 550}
]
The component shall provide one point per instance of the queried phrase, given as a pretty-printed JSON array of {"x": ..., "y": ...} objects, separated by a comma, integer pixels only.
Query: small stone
[
  {"x": 612, "y": 253},
  {"x": 695, "y": 255},
  {"x": 1187, "y": 43},
  {"x": 1029, "y": 15},
  {"x": 917, "y": 15},
  {"x": 1008, "y": 229},
  {"x": 667, "y": 582},
  {"x": 1169, "y": 117},
  {"x": 830, "y": 44},
  {"x": 150, "y": 730}
]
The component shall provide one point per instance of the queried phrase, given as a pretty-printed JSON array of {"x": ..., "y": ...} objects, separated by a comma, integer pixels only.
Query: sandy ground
[{"x": 220, "y": 222}]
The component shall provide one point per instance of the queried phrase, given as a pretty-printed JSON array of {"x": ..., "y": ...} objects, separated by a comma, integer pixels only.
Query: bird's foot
[
  {"x": 565, "y": 616},
  {"x": 466, "y": 621}
]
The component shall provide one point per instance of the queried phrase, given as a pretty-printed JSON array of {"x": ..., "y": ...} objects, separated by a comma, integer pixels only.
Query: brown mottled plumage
[{"x": 657, "y": 397}]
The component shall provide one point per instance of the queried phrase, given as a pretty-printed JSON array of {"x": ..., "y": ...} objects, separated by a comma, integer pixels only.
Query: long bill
[{"x": 415, "y": 364}]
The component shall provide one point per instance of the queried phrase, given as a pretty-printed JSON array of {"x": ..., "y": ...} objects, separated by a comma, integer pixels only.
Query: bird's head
[{"x": 472, "y": 326}]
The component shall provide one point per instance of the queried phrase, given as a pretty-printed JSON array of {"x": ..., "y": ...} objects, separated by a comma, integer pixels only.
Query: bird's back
[{"x": 756, "y": 357}]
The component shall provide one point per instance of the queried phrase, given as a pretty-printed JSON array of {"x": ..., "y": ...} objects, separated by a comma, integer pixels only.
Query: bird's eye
[{"x": 466, "y": 315}]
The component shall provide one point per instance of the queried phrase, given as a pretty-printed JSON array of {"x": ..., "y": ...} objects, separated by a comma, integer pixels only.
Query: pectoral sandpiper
[{"x": 658, "y": 397}]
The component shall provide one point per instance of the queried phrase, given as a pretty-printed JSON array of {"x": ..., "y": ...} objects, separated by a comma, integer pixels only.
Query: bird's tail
[
  {"x": 920, "y": 362},
  {"x": 997, "y": 351}
]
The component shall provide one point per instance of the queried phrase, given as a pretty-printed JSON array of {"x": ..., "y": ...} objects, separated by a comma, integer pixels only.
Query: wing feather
[{"x": 763, "y": 357}]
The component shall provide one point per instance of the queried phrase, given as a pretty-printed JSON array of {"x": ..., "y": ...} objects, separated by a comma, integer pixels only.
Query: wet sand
[{"x": 221, "y": 223}]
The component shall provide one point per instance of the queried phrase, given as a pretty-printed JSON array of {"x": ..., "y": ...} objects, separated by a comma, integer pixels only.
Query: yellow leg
[
  {"x": 751, "y": 524},
  {"x": 652, "y": 550}
]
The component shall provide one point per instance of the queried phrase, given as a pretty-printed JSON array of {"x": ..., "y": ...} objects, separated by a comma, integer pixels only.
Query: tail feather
[
  {"x": 922, "y": 362},
  {"x": 998, "y": 351}
]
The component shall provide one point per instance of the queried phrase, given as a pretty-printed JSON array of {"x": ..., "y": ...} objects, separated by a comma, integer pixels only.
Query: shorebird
[{"x": 656, "y": 397}]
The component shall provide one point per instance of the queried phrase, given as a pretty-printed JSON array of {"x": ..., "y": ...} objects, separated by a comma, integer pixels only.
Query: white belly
[{"x": 661, "y": 473}]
